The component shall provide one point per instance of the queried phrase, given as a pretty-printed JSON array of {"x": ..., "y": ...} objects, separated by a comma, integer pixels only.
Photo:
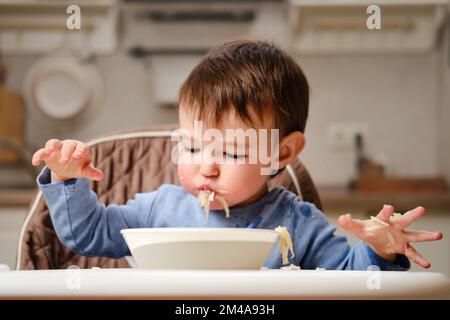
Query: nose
[{"x": 209, "y": 170}]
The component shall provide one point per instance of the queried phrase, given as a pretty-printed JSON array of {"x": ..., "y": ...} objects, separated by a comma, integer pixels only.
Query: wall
[
  {"x": 403, "y": 99},
  {"x": 444, "y": 110},
  {"x": 396, "y": 96},
  {"x": 128, "y": 100}
]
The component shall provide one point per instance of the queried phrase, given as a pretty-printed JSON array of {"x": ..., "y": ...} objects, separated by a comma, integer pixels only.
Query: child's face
[{"x": 239, "y": 183}]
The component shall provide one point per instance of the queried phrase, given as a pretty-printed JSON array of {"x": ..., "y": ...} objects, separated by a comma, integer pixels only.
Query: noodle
[
  {"x": 204, "y": 200},
  {"x": 225, "y": 205},
  {"x": 285, "y": 244}
]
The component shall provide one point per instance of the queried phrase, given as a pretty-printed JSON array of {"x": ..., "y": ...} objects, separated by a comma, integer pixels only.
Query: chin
[{"x": 215, "y": 206}]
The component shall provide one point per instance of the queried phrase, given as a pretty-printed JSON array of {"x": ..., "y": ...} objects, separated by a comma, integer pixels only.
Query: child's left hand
[{"x": 387, "y": 236}]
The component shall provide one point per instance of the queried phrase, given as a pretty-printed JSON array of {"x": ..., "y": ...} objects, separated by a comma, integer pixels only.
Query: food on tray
[{"x": 290, "y": 267}]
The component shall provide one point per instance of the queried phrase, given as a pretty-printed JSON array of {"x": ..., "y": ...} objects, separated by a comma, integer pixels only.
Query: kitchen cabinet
[
  {"x": 35, "y": 27},
  {"x": 327, "y": 26}
]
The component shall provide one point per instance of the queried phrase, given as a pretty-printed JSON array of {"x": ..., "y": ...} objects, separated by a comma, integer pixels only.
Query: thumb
[
  {"x": 351, "y": 225},
  {"x": 92, "y": 173}
]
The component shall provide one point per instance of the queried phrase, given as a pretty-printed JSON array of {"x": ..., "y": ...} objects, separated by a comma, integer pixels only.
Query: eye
[
  {"x": 235, "y": 156},
  {"x": 191, "y": 150}
]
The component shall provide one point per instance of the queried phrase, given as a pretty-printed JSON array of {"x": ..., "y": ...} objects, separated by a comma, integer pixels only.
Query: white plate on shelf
[{"x": 61, "y": 86}]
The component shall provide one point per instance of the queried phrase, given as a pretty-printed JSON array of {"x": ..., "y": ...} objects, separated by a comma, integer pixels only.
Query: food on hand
[{"x": 381, "y": 224}]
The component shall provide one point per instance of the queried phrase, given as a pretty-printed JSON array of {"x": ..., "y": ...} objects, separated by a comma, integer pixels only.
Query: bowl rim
[{"x": 184, "y": 229}]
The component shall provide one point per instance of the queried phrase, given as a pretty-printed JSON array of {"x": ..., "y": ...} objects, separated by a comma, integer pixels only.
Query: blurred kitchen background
[{"x": 378, "y": 130}]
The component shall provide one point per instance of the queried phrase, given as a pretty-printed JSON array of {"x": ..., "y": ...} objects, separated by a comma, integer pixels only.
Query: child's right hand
[{"x": 67, "y": 159}]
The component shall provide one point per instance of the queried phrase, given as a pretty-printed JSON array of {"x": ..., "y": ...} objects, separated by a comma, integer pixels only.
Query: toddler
[{"x": 242, "y": 116}]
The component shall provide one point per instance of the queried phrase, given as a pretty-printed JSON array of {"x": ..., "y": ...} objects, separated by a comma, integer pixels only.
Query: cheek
[
  {"x": 186, "y": 174},
  {"x": 243, "y": 181}
]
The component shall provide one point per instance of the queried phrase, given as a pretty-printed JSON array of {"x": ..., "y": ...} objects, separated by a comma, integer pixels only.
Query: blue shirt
[{"x": 90, "y": 228}]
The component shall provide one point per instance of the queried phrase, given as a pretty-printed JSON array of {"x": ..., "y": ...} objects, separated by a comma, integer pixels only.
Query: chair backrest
[{"x": 133, "y": 161}]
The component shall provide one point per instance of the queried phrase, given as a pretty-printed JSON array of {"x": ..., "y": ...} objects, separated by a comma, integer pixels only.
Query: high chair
[{"x": 133, "y": 162}]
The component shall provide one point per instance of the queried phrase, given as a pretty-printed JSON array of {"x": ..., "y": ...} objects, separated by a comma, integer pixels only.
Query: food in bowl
[{"x": 206, "y": 196}]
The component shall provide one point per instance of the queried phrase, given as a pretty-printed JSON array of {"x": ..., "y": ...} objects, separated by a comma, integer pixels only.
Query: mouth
[
  {"x": 207, "y": 196},
  {"x": 209, "y": 189}
]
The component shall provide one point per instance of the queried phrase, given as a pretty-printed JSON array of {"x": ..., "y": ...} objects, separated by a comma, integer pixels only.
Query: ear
[{"x": 290, "y": 147}]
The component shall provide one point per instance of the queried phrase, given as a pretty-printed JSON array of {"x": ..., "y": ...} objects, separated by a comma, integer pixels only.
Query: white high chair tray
[{"x": 258, "y": 284}]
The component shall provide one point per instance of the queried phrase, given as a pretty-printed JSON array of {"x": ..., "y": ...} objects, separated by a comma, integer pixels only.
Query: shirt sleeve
[
  {"x": 323, "y": 249},
  {"x": 86, "y": 226}
]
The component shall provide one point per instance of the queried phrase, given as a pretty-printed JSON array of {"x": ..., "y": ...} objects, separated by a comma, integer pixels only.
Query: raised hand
[
  {"x": 67, "y": 159},
  {"x": 387, "y": 236}
]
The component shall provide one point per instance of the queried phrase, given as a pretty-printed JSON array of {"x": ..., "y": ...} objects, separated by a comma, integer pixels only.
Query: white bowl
[{"x": 199, "y": 248}]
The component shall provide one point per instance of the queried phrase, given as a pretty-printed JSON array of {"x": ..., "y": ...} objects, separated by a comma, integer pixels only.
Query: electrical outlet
[{"x": 342, "y": 136}]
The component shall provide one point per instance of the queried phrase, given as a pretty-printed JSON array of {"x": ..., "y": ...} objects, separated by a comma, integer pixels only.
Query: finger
[
  {"x": 53, "y": 144},
  {"x": 415, "y": 256},
  {"x": 410, "y": 216},
  {"x": 81, "y": 151},
  {"x": 351, "y": 225},
  {"x": 422, "y": 236},
  {"x": 92, "y": 173},
  {"x": 385, "y": 213},
  {"x": 39, "y": 156},
  {"x": 67, "y": 149}
]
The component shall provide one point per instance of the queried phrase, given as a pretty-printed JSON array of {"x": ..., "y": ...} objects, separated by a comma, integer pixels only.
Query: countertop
[
  {"x": 16, "y": 197},
  {"x": 343, "y": 199},
  {"x": 198, "y": 284}
]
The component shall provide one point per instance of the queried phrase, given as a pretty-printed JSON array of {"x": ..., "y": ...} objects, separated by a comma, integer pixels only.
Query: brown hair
[{"x": 245, "y": 73}]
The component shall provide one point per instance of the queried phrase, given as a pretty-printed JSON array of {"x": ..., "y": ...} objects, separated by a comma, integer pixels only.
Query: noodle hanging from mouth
[{"x": 204, "y": 199}]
